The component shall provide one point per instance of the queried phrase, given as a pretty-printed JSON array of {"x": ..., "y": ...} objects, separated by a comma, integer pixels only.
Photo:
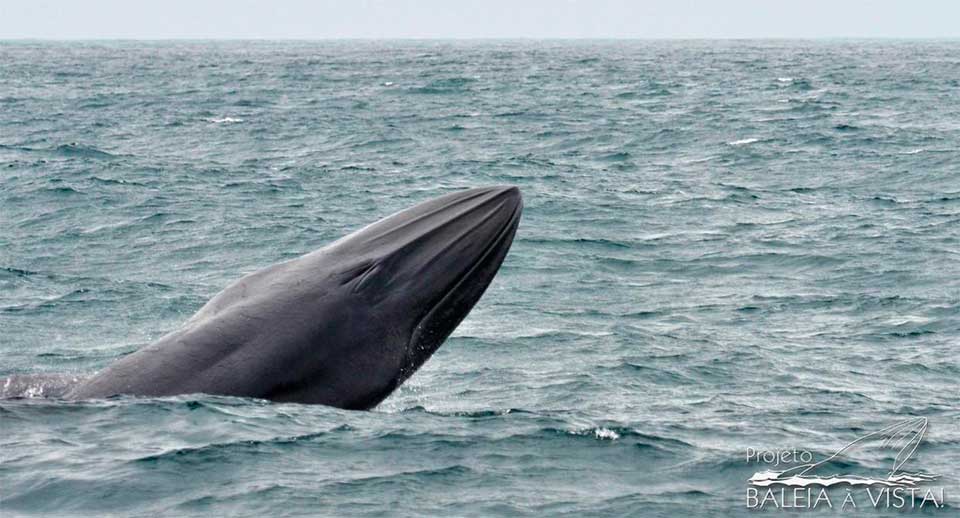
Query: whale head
[
  {"x": 407, "y": 281},
  {"x": 342, "y": 326}
]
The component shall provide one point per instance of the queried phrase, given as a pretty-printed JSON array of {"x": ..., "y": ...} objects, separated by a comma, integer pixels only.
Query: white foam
[
  {"x": 908, "y": 320},
  {"x": 743, "y": 142},
  {"x": 606, "y": 434},
  {"x": 225, "y": 120}
]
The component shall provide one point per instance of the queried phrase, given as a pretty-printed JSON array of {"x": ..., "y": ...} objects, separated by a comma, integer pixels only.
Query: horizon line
[{"x": 478, "y": 38}]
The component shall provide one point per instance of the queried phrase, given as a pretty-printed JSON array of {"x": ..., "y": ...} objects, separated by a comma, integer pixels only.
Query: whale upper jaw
[{"x": 342, "y": 326}]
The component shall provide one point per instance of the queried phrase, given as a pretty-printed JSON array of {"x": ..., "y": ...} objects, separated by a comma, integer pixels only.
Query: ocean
[{"x": 727, "y": 247}]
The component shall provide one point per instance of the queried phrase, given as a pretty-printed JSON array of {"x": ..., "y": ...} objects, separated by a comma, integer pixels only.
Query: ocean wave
[
  {"x": 724, "y": 245},
  {"x": 75, "y": 149},
  {"x": 205, "y": 453}
]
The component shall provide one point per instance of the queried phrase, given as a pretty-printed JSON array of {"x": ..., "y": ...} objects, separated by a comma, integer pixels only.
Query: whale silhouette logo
[{"x": 904, "y": 437}]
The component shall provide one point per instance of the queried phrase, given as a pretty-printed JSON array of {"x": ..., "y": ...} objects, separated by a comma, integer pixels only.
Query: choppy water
[{"x": 726, "y": 245}]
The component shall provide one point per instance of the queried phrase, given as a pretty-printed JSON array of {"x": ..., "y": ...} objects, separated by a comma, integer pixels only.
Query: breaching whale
[{"x": 344, "y": 325}]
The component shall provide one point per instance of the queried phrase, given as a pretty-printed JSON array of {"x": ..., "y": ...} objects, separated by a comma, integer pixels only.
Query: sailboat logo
[{"x": 904, "y": 437}]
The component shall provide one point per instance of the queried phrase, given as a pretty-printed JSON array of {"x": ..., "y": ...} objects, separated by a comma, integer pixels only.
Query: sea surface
[{"x": 726, "y": 246}]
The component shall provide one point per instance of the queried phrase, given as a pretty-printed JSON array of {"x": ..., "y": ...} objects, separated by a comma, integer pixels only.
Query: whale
[{"x": 342, "y": 326}]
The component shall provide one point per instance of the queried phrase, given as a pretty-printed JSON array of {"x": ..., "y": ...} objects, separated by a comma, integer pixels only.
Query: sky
[{"x": 326, "y": 19}]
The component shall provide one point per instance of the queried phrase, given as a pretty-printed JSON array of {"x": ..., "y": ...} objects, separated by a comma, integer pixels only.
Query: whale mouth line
[{"x": 494, "y": 245}]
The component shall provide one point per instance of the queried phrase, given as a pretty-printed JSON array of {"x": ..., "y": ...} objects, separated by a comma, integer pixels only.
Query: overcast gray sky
[{"x": 298, "y": 19}]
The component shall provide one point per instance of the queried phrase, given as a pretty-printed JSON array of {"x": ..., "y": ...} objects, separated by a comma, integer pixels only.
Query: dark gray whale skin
[{"x": 342, "y": 326}]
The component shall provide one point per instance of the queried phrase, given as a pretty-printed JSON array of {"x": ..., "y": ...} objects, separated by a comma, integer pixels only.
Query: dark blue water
[{"x": 726, "y": 245}]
